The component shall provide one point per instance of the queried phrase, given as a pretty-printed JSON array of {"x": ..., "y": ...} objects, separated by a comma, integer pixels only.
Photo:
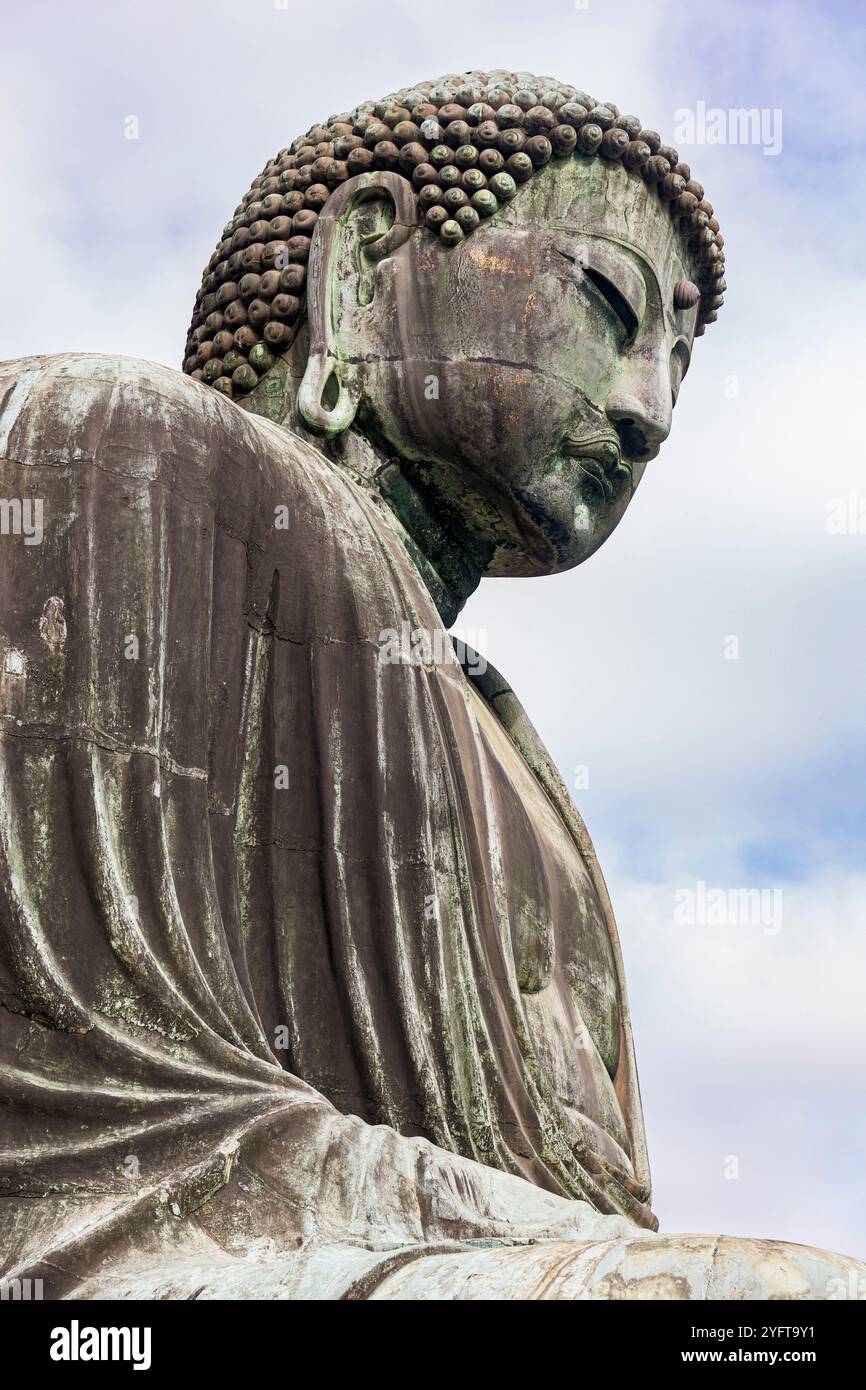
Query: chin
[{"x": 571, "y": 516}]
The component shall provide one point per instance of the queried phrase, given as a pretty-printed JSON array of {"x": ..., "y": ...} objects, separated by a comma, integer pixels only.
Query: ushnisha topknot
[{"x": 466, "y": 143}]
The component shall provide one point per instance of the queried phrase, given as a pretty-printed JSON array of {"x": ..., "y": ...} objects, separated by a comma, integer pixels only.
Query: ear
[{"x": 365, "y": 219}]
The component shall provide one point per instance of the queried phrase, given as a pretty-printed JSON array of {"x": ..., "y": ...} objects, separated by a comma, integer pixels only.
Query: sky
[{"x": 700, "y": 681}]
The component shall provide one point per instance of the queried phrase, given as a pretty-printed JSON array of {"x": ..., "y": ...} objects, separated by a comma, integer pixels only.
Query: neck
[
  {"x": 448, "y": 554},
  {"x": 449, "y": 558}
]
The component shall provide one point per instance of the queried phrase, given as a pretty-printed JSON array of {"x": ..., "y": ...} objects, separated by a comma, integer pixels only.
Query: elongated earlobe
[
  {"x": 330, "y": 393},
  {"x": 328, "y": 396}
]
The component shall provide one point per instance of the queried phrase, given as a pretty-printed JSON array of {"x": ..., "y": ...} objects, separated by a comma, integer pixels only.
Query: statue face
[{"x": 529, "y": 374}]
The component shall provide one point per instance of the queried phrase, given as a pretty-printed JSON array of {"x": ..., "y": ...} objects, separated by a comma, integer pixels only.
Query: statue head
[{"x": 495, "y": 279}]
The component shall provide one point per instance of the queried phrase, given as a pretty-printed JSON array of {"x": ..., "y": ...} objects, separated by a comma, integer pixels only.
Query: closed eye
[
  {"x": 621, "y": 307},
  {"x": 613, "y": 297}
]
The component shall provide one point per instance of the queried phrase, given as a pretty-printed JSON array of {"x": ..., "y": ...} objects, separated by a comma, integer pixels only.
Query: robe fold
[{"x": 263, "y": 888}]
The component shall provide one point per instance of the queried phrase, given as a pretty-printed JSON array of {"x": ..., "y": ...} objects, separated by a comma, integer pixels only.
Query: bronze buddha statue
[{"x": 311, "y": 983}]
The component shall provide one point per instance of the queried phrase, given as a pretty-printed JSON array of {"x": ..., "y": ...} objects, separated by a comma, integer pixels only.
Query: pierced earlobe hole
[{"x": 330, "y": 393}]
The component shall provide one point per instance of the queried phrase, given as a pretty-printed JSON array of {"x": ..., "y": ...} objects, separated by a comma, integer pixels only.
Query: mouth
[{"x": 601, "y": 459}]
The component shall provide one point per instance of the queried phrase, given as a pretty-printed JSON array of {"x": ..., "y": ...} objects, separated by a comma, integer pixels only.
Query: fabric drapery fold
[{"x": 246, "y": 864}]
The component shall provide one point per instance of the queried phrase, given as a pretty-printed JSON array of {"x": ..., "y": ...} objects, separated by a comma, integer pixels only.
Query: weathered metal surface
[
  {"x": 464, "y": 145},
  {"x": 184, "y": 936},
  {"x": 682, "y": 1267},
  {"x": 309, "y": 981}
]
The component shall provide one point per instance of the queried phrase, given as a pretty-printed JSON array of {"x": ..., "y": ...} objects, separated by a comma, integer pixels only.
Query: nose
[{"x": 640, "y": 406}]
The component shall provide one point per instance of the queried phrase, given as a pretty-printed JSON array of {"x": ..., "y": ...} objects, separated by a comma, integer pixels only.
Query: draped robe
[{"x": 262, "y": 891}]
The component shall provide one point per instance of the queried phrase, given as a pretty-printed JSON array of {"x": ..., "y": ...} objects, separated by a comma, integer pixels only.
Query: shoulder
[
  {"x": 73, "y": 403},
  {"x": 137, "y": 417},
  {"x": 102, "y": 436},
  {"x": 77, "y": 390}
]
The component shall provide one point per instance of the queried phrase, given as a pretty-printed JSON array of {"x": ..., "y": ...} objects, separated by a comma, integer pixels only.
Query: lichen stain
[
  {"x": 52, "y": 624},
  {"x": 782, "y": 1279},
  {"x": 651, "y": 1286},
  {"x": 14, "y": 663},
  {"x": 13, "y": 683}
]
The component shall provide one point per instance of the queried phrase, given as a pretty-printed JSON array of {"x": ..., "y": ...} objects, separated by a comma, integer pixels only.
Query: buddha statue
[{"x": 311, "y": 984}]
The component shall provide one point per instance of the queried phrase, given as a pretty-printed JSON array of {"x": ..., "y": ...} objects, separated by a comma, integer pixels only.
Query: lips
[{"x": 601, "y": 459}]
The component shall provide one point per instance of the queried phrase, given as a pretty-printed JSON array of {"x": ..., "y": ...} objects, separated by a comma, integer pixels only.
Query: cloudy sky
[{"x": 743, "y": 773}]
